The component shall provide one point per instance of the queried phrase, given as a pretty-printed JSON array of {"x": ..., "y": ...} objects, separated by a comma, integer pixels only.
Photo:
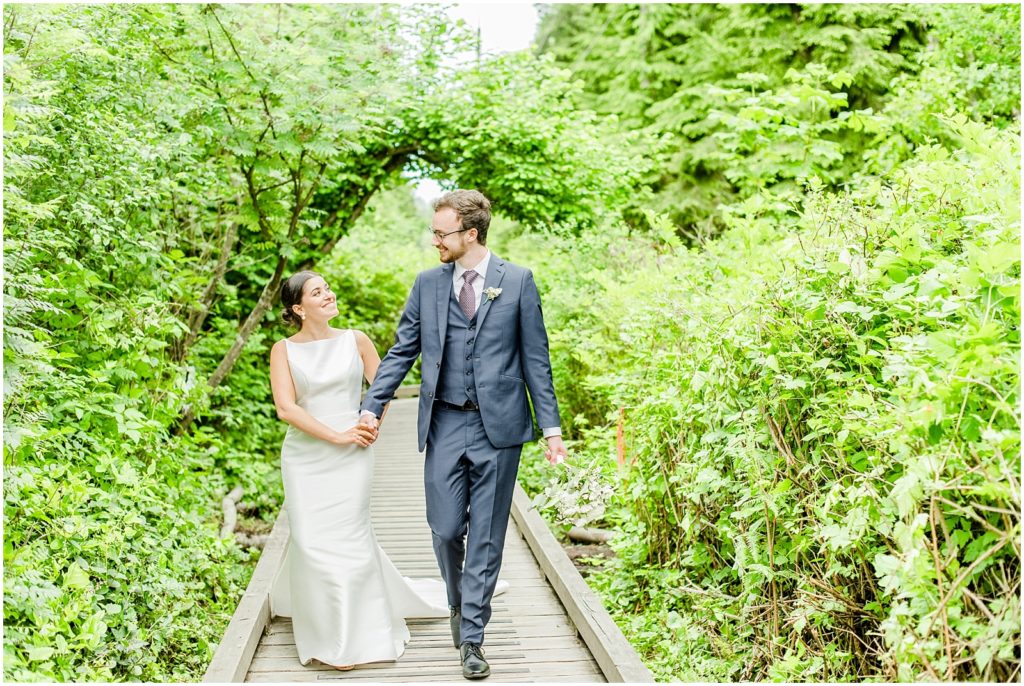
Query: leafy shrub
[{"x": 823, "y": 430}]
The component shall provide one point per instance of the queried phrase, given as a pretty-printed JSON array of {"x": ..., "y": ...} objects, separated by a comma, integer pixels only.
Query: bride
[{"x": 347, "y": 601}]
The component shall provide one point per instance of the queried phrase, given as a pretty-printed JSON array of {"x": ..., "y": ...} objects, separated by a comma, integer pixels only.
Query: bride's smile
[{"x": 318, "y": 304}]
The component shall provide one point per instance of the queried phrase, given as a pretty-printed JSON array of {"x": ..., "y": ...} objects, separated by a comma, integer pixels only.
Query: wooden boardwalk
[{"x": 548, "y": 627}]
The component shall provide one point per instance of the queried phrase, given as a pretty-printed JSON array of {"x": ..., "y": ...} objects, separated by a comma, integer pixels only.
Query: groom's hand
[
  {"x": 555, "y": 452},
  {"x": 369, "y": 419}
]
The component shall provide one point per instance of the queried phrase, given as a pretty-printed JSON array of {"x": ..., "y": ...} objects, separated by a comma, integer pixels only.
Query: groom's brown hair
[{"x": 472, "y": 208}]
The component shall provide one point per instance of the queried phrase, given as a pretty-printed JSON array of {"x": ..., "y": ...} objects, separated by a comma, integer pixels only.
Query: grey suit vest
[{"x": 457, "y": 382}]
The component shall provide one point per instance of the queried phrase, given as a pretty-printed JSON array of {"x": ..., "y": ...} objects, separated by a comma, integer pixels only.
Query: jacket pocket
[{"x": 510, "y": 382}]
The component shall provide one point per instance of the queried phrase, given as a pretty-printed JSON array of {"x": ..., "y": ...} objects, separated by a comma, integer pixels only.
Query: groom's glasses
[{"x": 441, "y": 236}]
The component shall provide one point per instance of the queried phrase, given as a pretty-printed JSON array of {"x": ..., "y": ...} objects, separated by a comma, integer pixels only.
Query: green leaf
[
  {"x": 39, "y": 653},
  {"x": 76, "y": 577}
]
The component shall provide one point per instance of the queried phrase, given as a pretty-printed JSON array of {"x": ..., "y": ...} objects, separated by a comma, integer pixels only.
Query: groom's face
[{"x": 452, "y": 246}]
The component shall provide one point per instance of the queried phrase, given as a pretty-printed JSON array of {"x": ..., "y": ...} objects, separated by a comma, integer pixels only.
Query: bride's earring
[{"x": 303, "y": 317}]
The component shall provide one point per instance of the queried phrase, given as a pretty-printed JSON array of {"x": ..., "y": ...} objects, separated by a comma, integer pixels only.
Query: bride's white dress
[{"x": 347, "y": 601}]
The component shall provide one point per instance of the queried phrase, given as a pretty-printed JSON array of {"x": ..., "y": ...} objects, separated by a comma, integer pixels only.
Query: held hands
[
  {"x": 360, "y": 434},
  {"x": 555, "y": 451},
  {"x": 369, "y": 422}
]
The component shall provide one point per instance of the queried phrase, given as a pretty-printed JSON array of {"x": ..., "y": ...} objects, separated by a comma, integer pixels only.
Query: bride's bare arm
[
  {"x": 371, "y": 362},
  {"x": 371, "y": 358},
  {"x": 288, "y": 410}
]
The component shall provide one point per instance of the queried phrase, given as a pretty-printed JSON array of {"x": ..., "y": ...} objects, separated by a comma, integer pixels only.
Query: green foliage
[
  {"x": 821, "y": 406},
  {"x": 822, "y": 427},
  {"x": 971, "y": 65},
  {"x": 544, "y": 161},
  {"x": 722, "y": 91},
  {"x": 111, "y": 569}
]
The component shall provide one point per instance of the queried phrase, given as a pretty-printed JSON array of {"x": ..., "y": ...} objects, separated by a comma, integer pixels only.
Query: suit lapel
[
  {"x": 495, "y": 273},
  {"x": 444, "y": 294}
]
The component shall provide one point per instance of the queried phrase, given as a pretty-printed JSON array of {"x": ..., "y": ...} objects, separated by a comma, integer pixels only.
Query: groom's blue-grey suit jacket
[{"x": 510, "y": 354}]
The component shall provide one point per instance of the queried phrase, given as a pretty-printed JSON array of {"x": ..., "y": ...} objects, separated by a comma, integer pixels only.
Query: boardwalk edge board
[
  {"x": 234, "y": 654},
  {"x": 615, "y": 656}
]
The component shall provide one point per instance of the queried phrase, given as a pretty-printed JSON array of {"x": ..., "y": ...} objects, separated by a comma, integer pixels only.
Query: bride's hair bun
[{"x": 291, "y": 295}]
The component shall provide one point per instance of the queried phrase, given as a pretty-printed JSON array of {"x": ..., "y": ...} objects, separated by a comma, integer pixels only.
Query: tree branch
[
  {"x": 264, "y": 189},
  {"x": 262, "y": 91},
  {"x": 199, "y": 315},
  {"x": 396, "y": 160}
]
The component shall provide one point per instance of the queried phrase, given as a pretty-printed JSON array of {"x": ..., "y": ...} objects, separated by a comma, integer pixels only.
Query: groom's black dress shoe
[
  {"x": 474, "y": 666},
  {"x": 456, "y": 621}
]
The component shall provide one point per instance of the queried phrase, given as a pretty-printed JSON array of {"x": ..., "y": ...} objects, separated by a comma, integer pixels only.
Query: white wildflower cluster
[{"x": 579, "y": 497}]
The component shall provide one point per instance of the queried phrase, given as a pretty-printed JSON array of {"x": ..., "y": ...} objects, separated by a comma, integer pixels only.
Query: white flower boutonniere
[{"x": 492, "y": 293}]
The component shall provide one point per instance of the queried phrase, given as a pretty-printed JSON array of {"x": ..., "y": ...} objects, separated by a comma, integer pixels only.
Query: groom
[{"x": 477, "y": 322}]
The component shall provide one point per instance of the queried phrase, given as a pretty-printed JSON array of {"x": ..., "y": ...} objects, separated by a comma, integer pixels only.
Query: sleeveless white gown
[{"x": 347, "y": 601}]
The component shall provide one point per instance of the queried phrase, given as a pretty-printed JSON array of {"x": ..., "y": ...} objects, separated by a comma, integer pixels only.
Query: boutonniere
[{"x": 492, "y": 293}]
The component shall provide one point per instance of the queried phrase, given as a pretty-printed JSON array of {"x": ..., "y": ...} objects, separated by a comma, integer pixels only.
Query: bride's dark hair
[{"x": 291, "y": 295}]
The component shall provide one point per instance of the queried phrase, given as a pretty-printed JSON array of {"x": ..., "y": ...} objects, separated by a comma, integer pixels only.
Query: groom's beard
[{"x": 449, "y": 255}]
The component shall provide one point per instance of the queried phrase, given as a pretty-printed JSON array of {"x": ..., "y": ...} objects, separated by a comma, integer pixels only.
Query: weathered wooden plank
[
  {"x": 401, "y": 666},
  {"x": 272, "y": 657},
  {"x": 510, "y": 576},
  {"x": 587, "y": 678},
  {"x": 434, "y": 675},
  {"x": 580, "y": 671},
  {"x": 449, "y": 663},
  {"x": 502, "y": 621},
  {"x": 540, "y": 649},
  {"x": 616, "y": 657}
]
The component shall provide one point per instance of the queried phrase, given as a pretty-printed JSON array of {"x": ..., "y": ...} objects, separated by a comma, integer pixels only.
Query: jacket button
[
  {"x": 430, "y": 394},
  {"x": 438, "y": 364}
]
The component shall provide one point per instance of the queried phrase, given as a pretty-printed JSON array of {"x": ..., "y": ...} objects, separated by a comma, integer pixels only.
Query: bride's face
[{"x": 318, "y": 302}]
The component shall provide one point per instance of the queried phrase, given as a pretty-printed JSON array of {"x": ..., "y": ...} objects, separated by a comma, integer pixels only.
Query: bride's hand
[{"x": 360, "y": 434}]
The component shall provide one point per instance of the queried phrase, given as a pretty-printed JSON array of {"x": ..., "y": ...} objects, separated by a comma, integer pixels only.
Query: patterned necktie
[{"x": 467, "y": 297}]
